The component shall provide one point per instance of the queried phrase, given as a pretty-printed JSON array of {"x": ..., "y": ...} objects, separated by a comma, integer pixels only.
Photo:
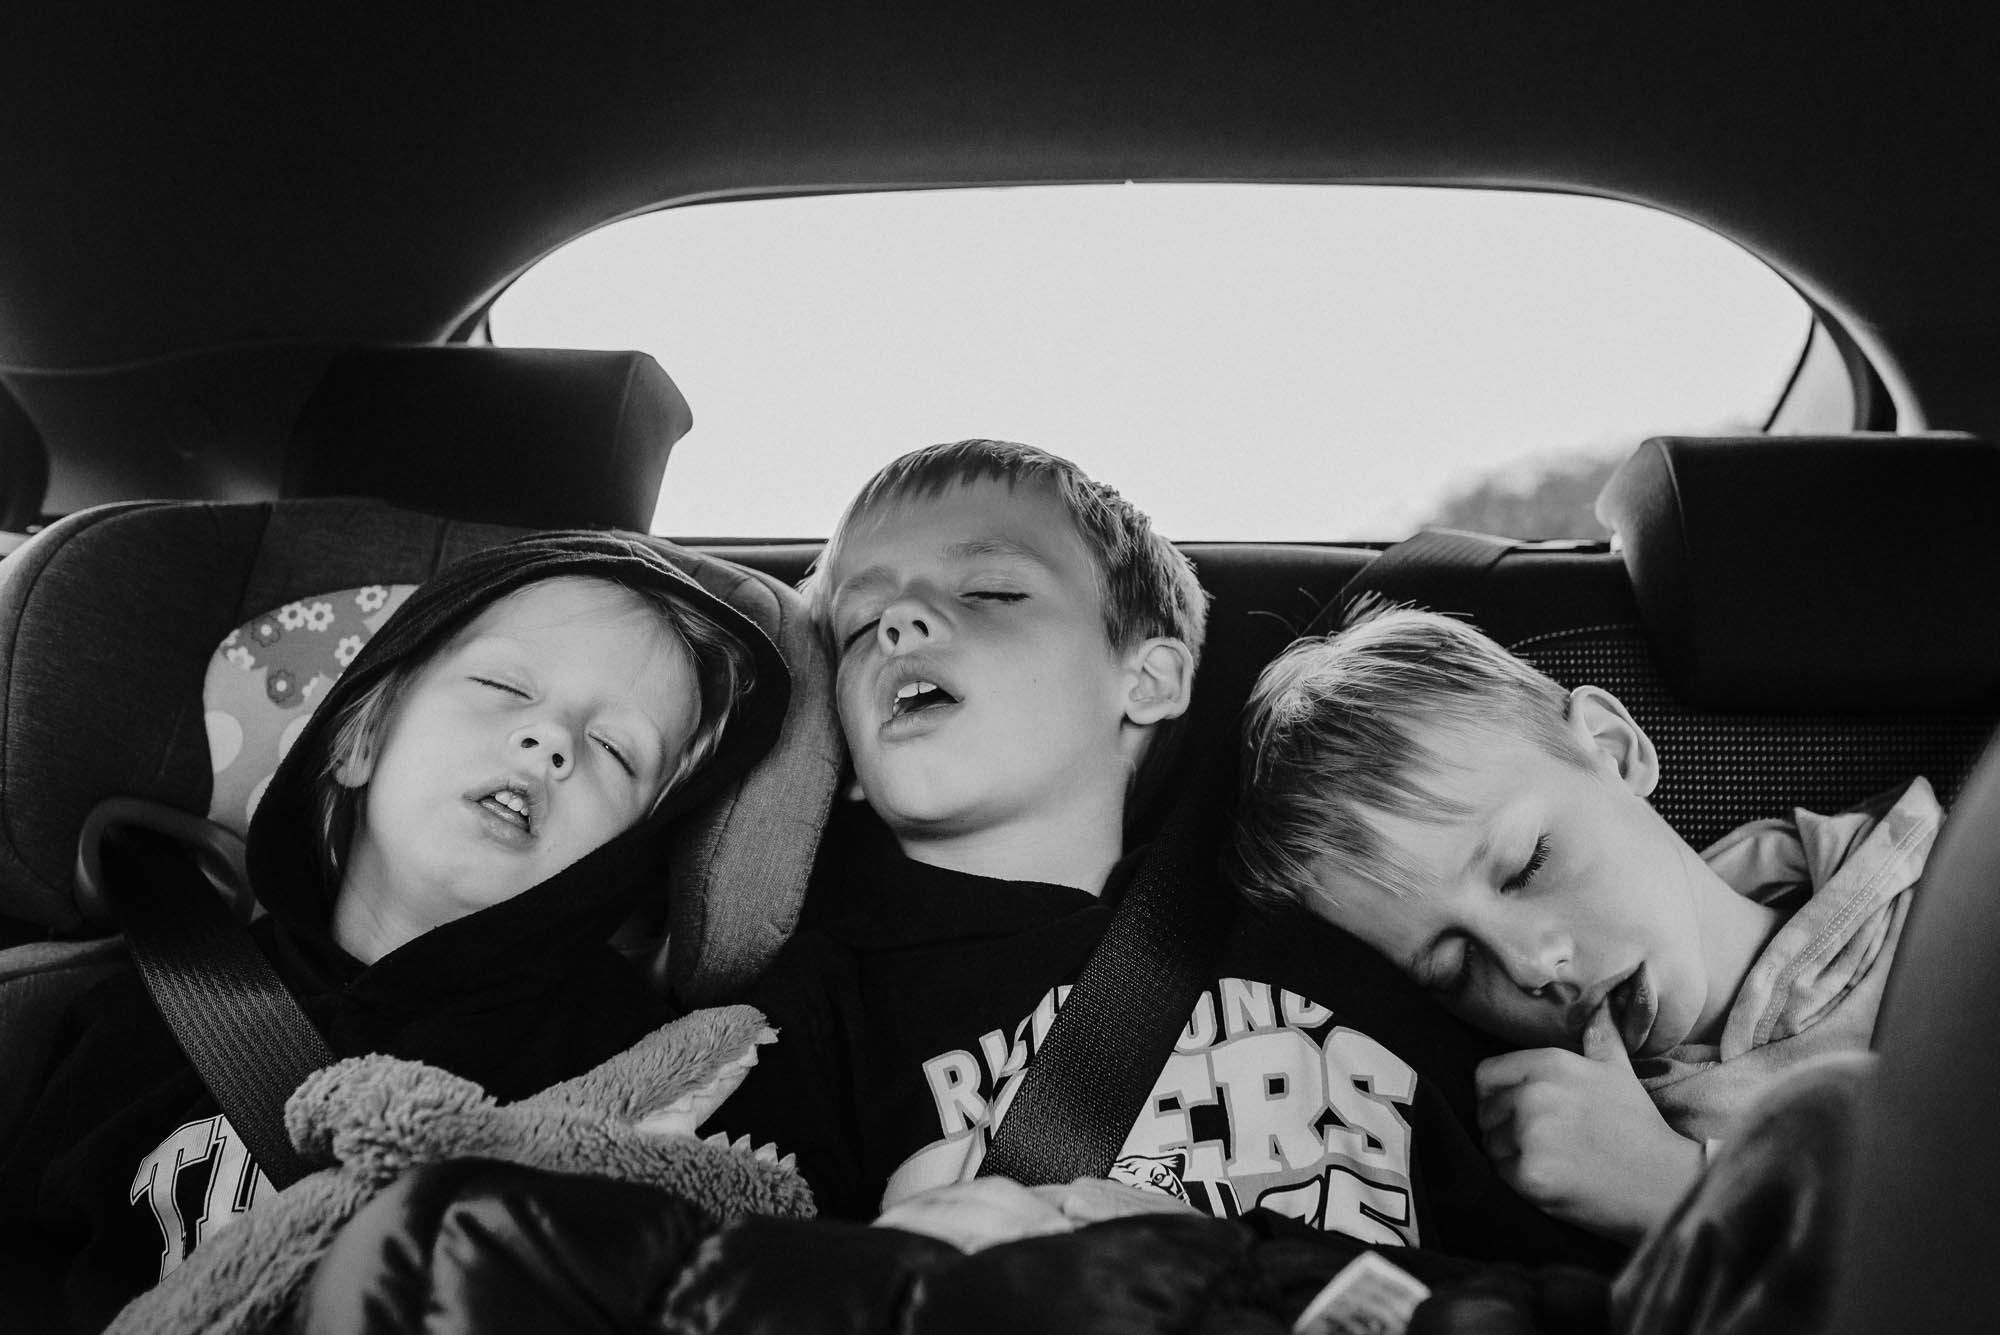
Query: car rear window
[{"x": 1291, "y": 363}]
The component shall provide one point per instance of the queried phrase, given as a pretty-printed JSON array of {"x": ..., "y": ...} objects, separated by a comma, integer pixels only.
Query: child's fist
[{"x": 1577, "y": 1134}]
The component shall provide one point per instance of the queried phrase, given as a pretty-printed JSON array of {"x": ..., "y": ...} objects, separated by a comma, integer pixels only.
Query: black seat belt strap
[
  {"x": 1087, "y": 1083},
  {"x": 1442, "y": 566},
  {"x": 1102, "y": 1055},
  {"x": 244, "y": 1033}
]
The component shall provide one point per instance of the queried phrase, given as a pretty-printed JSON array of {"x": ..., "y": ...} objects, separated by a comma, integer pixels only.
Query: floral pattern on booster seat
[{"x": 267, "y": 676}]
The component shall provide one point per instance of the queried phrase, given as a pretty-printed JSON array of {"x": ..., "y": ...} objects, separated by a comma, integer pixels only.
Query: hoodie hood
[{"x": 537, "y": 942}]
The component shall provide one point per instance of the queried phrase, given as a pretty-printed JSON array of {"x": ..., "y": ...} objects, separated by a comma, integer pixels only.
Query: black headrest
[
  {"x": 1840, "y": 573},
  {"x": 533, "y": 437}
]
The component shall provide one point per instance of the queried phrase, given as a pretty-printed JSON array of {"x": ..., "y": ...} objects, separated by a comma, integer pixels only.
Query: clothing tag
[{"x": 1370, "y": 1296}]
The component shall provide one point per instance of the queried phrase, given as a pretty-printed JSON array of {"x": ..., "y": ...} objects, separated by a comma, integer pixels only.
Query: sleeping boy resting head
[{"x": 1410, "y": 781}]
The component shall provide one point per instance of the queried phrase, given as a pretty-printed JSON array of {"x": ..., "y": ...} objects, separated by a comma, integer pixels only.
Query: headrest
[
  {"x": 1816, "y": 573},
  {"x": 533, "y": 437}
]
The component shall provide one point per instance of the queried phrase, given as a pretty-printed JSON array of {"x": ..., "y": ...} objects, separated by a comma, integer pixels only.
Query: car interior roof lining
[{"x": 629, "y": 105}]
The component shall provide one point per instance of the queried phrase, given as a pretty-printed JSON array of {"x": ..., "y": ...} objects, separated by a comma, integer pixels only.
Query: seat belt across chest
[
  {"x": 242, "y": 1030},
  {"x": 1101, "y": 1057}
]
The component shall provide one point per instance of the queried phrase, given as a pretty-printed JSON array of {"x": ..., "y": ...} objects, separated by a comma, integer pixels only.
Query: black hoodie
[{"x": 126, "y": 1161}]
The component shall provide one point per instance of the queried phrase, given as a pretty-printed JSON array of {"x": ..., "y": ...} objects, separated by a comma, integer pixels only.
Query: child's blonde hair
[
  {"x": 1149, "y": 587},
  {"x": 1330, "y": 735}
]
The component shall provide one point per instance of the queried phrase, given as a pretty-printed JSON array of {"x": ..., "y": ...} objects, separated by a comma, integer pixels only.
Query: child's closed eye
[
  {"x": 502, "y": 686},
  {"x": 1536, "y": 860},
  {"x": 612, "y": 749},
  {"x": 1444, "y": 970},
  {"x": 867, "y": 628}
]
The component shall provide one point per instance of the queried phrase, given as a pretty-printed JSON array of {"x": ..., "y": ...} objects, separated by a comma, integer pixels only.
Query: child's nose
[
  {"x": 548, "y": 744},
  {"x": 907, "y": 623},
  {"x": 1539, "y": 962}
]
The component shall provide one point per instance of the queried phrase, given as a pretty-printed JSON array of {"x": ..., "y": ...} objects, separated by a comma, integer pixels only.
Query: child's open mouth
[
  {"x": 1632, "y": 1009},
  {"x": 914, "y": 697},
  {"x": 512, "y": 806}
]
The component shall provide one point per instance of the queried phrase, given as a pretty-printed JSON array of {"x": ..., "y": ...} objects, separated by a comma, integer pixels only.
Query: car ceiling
[{"x": 186, "y": 177}]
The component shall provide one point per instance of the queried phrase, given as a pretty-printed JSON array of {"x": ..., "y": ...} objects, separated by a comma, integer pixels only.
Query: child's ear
[
  {"x": 1159, "y": 680},
  {"x": 1606, "y": 730}
]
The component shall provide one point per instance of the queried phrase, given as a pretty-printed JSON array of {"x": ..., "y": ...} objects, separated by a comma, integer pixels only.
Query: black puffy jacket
[{"x": 477, "y": 1246}]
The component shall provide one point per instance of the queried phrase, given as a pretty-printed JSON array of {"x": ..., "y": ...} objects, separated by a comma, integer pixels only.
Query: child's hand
[
  {"x": 1579, "y": 1136},
  {"x": 1091, "y": 1200},
  {"x": 976, "y": 1214}
]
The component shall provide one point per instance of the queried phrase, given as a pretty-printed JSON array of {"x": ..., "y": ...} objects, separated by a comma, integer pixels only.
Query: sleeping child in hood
[{"x": 442, "y": 857}]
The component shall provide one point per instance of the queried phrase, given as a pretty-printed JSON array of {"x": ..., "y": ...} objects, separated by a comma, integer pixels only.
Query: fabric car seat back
[
  {"x": 1811, "y": 620},
  {"x": 1795, "y": 621},
  {"x": 1925, "y": 1149},
  {"x": 1722, "y": 768}
]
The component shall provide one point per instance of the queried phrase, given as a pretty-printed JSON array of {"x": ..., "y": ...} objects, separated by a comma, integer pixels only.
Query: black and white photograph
[{"x": 1287, "y": 667}]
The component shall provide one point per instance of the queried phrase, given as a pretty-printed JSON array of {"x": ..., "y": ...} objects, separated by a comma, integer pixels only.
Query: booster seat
[{"x": 110, "y": 620}]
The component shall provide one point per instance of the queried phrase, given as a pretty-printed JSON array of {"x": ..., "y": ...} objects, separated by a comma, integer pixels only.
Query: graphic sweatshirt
[
  {"x": 129, "y": 1162},
  {"x": 1310, "y": 1078}
]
